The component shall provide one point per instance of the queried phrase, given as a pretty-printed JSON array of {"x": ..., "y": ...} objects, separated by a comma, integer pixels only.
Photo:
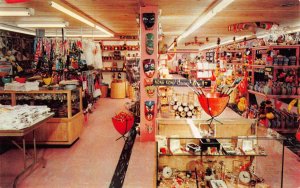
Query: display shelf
[
  {"x": 112, "y": 71},
  {"x": 274, "y": 96},
  {"x": 63, "y": 129},
  {"x": 285, "y": 130},
  {"x": 276, "y": 66},
  {"x": 215, "y": 155}
]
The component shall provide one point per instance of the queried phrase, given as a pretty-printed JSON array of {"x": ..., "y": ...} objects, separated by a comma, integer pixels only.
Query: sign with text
[{"x": 181, "y": 82}]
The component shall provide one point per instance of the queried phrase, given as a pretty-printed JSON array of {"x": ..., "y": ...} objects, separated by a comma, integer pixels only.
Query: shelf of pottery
[
  {"x": 275, "y": 77},
  {"x": 114, "y": 54}
]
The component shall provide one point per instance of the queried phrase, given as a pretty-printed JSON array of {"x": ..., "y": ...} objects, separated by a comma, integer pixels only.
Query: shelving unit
[
  {"x": 64, "y": 128},
  {"x": 109, "y": 48}
]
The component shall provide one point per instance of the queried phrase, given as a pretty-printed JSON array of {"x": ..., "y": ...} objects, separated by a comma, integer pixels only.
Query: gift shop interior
[{"x": 143, "y": 93}]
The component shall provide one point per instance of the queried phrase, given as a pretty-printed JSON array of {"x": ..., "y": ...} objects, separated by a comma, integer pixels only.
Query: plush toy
[{"x": 242, "y": 104}]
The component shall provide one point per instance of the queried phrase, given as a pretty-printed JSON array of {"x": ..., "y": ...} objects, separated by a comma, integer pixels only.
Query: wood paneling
[{"x": 176, "y": 15}]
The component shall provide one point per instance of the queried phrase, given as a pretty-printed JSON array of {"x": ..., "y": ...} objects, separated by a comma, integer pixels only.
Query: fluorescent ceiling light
[
  {"x": 78, "y": 17},
  {"x": 103, "y": 30},
  {"x": 44, "y": 24},
  {"x": 206, "y": 17},
  {"x": 16, "y": 11},
  {"x": 70, "y": 13},
  {"x": 16, "y": 29},
  {"x": 79, "y": 35}
]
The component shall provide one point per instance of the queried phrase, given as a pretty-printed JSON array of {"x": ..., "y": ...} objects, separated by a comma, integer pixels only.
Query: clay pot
[
  {"x": 274, "y": 90},
  {"x": 283, "y": 90},
  {"x": 288, "y": 90}
]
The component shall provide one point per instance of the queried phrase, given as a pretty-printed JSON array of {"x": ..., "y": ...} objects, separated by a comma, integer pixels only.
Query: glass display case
[
  {"x": 220, "y": 162},
  {"x": 65, "y": 127}
]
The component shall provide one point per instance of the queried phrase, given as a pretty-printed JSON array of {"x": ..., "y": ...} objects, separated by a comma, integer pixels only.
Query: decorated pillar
[{"x": 148, "y": 71}]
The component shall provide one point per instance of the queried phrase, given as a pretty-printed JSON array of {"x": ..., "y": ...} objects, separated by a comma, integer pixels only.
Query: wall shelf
[{"x": 274, "y": 96}]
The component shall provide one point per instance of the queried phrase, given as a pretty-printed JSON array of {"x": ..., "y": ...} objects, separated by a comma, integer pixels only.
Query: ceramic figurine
[
  {"x": 149, "y": 67},
  {"x": 149, "y": 110}
]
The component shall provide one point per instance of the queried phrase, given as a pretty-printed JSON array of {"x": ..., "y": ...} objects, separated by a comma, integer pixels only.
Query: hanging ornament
[
  {"x": 213, "y": 77},
  {"x": 194, "y": 43},
  {"x": 175, "y": 44},
  {"x": 218, "y": 41}
]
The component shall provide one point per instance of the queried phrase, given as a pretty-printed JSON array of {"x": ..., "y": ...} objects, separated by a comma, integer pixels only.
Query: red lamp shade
[{"x": 16, "y": 1}]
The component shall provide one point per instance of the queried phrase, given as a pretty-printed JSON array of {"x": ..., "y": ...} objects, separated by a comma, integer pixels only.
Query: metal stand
[
  {"x": 123, "y": 135},
  {"x": 27, "y": 156}
]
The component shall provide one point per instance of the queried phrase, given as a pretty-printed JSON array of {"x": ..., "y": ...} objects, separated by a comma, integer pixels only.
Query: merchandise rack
[{"x": 58, "y": 130}]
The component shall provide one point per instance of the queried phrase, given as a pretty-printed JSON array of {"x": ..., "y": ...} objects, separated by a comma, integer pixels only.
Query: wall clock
[
  {"x": 167, "y": 172},
  {"x": 245, "y": 177}
]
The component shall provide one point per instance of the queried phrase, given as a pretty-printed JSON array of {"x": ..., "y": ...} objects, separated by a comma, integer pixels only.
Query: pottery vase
[
  {"x": 274, "y": 89},
  {"x": 279, "y": 88},
  {"x": 294, "y": 90},
  {"x": 288, "y": 89},
  {"x": 283, "y": 90}
]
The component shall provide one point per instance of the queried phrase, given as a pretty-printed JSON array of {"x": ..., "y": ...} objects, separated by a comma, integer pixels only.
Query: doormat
[{"x": 121, "y": 169}]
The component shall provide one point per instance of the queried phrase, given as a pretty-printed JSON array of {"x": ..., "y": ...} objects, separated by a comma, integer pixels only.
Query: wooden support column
[{"x": 147, "y": 127}]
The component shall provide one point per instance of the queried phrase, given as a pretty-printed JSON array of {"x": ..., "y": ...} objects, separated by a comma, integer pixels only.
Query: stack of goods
[
  {"x": 20, "y": 117},
  {"x": 16, "y": 86},
  {"x": 184, "y": 106}
]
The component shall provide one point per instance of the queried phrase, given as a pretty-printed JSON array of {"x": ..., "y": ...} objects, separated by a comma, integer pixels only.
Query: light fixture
[
  {"x": 16, "y": 11},
  {"x": 206, "y": 17},
  {"x": 78, "y": 17},
  {"x": 16, "y": 29},
  {"x": 44, "y": 24},
  {"x": 104, "y": 31},
  {"x": 78, "y": 35}
]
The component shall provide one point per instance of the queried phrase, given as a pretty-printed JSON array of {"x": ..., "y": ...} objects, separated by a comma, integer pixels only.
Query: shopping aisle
[{"x": 90, "y": 162}]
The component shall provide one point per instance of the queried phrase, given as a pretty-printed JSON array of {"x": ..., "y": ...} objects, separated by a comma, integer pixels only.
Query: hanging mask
[
  {"x": 149, "y": 20},
  {"x": 149, "y": 67},
  {"x": 149, "y": 110},
  {"x": 149, "y": 128},
  {"x": 149, "y": 43},
  {"x": 149, "y": 87}
]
